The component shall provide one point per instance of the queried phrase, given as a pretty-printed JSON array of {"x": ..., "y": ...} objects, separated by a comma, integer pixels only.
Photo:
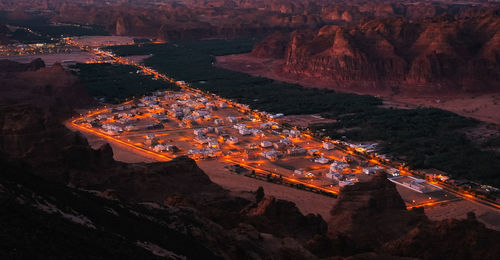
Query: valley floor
[{"x": 483, "y": 107}]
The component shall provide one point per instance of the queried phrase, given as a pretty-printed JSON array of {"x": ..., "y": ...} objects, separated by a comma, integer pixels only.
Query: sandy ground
[
  {"x": 459, "y": 209},
  {"x": 483, "y": 107},
  {"x": 49, "y": 59}
]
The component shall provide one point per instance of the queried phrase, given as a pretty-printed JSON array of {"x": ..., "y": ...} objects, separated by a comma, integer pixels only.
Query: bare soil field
[
  {"x": 459, "y": 209},
  {"x": 483, "y": 106}
]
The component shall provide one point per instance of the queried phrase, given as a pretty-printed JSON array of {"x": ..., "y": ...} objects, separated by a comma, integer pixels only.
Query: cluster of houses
[
  {"x": 193, "y": 108},
  {"x": 154, "y": 143},
  {"x": 336, "y": 173},
  {"x": 282, "y": 147}
]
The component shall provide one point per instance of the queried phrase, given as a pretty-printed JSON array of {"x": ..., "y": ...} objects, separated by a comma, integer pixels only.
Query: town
[{"x": 169, "y": 124}]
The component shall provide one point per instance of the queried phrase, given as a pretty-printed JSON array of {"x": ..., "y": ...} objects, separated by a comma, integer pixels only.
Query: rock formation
[
  {"x": 369, "y": 214},
  {"x": 371, "y": 217},
  {"x": 429, "y": 54}
]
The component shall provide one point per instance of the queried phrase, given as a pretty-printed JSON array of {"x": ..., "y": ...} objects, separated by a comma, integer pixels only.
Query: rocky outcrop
[
  {"x": 456, "y": 54},
  {"x": 369, "y": 214},
  {"x": 51, "y": 89},
  {"x": 282, "y": 218},
  {"x": 468, "y": 238},
  {"x": 12, "y": 66},
  {"x": 371, "y": 217},
  {"x": 273, "y": 46}
]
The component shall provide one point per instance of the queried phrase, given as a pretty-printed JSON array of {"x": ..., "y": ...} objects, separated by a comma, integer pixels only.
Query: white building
[
  {"x": 393, "y": 172},
  {"x": 266, "y": 144},
  {"x": 294, "y": 133},
  {"x": 338, "y": 166},
  {"x": 322, "y": 160},
  {"x": 271, "y": 155},
  {"x": 277, "y": 115},
  {"x": 245, "y": 131},
  {"x": 299, "y": 172},
  {"x": 371, "y": 170},
  {"x": 328, "y": 146}
]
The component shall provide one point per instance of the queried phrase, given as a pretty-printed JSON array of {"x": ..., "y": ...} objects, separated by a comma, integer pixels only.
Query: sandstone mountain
[{"x": 429, "y": 54}]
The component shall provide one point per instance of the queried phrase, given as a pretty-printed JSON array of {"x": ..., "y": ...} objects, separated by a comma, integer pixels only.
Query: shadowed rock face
[
  {"x": 282, "y": 217},
  {"x": 429, "y": 54},
  {"x": 273, "y": 46},
  {"x": 12, "y": 66},
  {"x": 369, "y": 214},
  {"x": 447, "y": 239},
  {"x": 51, "y": 89}
]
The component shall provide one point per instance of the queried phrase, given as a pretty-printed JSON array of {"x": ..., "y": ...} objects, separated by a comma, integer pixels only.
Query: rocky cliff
[
  {"x": 369, "y": 214},
  {"x": 429, "y": 54}
]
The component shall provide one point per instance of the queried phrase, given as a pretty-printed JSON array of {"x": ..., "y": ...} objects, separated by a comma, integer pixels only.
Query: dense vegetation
[
  {"x": 424, "y": 138},
  {"x": 69, "y": 30},
  {"x": 116, "y": 83},
  {"x": 26, "y": 37}
]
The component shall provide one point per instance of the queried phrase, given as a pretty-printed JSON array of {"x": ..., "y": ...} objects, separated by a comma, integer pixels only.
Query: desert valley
[{"x": 249, "y": 129}]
